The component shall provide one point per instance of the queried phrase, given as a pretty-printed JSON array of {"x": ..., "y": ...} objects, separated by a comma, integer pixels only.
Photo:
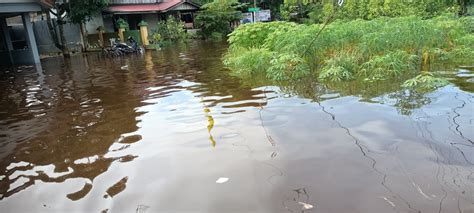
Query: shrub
[
  {"x": 215, "y": 36},
  {"x": 287, "y": 66},
  {"x": 378, "y": 49},
  {"x": 335, "y": 74},
  {"x": 255, "y": 34},
  {"x": 389, "y": 65},
  {"x": 339, "y": 68},
  {"x": 171, "y": 29},
  {"x": 247, "y": 62},
  {"x": 155, "y": 37},
  {"x": 121, "y": 23},
  {"x": 217, "y": 16},
  {"x": 425, "y": 81}
]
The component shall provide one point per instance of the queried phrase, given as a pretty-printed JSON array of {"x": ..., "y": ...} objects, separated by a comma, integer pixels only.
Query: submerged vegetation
[
  {"x": 425, "y": 81},
  {"x": 378, "y": 49}
]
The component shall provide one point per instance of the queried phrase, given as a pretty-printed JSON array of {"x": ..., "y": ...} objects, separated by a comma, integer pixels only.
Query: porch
[{"x": 18, "y": 44}]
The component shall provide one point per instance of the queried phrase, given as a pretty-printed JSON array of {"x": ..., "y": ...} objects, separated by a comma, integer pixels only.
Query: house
[
  {"x": 19, "y": 49},
  {"x": 150, "y": 11}
]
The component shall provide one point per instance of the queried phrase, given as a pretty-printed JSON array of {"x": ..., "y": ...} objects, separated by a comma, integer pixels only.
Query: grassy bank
[{"x": 378, "y": 49}]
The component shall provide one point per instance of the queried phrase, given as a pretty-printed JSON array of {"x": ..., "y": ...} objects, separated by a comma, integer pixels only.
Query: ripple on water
[{"x": 88, "y": 135}]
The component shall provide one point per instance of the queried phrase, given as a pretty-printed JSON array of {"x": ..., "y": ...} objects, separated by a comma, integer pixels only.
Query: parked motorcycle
[{"x": 120, "y": 49}]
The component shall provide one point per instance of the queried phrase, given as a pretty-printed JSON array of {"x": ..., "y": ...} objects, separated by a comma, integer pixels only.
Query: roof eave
[{"x": 46, "y": 3}]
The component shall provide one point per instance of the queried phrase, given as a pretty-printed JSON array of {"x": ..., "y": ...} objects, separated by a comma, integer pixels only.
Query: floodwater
[{"x": 173, "y": 131}]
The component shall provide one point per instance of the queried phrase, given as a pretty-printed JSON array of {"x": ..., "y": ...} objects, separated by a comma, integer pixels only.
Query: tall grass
[{"x": 378, "y": 49}]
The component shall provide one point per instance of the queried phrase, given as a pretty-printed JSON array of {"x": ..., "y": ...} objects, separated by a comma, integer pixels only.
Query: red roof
[{"x": 135, "y": 8}]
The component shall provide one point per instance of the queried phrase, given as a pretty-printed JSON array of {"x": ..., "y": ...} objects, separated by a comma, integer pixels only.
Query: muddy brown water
[{"x": 153, "y": 133}]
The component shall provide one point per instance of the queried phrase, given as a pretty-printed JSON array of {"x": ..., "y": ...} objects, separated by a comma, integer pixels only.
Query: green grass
[{"x": 378, "y": 49}]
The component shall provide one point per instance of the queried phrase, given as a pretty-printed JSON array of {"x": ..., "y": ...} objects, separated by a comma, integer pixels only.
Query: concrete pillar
[
  {"x": 144, "y": 32},
  {"x": 30, "y": 38},
  {"x": 8, "y": 39},
  {"x": 122, "y": 26},
  {"x": 100, "y": 30},
  {"x": 120, "y": 34}
]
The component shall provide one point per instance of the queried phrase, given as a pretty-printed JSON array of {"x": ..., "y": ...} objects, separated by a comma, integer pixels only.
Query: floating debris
[
  {"x": 142, "y": 208},
  {"x": 305, "y": 206},
  {"x": 222, "y": 180},
  {"x": 124, "y": 67}
]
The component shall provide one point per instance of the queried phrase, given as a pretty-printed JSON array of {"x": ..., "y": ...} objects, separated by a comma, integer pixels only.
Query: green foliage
[
  {"x": 316, "y": 13},
  {"x": 389, "y": 65},
  {"x": 335, "y": 74},
  {"x": 425, "y": 81},
  {"x": 202, "y": 2},
  {"x": 81, "y": 11},
  {"x": 222, "y": 5},
  {"x": 375, "y": 9},
  {"x": 285, "y": 12},
  {"x": 248, "y": 62},
  {"x": 216, "y": 36},
  {"x": 378, "y": 49},
  {"x": 171, "y": 30},
  {"x": 371, "y": 9},
  {"x": 339, "y": 68},
  {"x": 287, "y": 66},
  {"x": 121, "y": 23},
  {"x": 254, "y": 35},
  {"x": 261, "y": 61},
  {"x": 460, "y": 55},
  {"x": 156, "y": 37},
  {"x": 295, "y": 2},
  {"x": 217, "y": 16}
]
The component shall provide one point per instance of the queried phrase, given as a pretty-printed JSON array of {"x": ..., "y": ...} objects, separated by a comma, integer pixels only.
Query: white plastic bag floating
[
  {"x": 222, "y": 180},
  {"x": 305, "y": 206}
]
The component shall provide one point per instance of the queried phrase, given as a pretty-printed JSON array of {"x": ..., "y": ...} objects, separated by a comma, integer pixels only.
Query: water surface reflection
[{"x": 154, "y": 132}]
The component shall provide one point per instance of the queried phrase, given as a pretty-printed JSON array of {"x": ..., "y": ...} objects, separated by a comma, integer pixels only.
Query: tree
[
  {"x": 375, "y": 9},
  {"x": 463, "y": 6},
  {"x": 59, "y": 10},
  {"x": 217, "y": 16},
  {"x": 74, "y": 11},
  {"x": 81, "y": 11}
]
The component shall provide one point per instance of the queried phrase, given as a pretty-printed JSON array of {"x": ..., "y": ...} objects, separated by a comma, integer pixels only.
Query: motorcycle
[{"x": 120, "y": 49}]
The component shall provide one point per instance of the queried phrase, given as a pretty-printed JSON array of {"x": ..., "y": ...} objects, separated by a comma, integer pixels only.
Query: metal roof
[{"x": 147, "y": 8}]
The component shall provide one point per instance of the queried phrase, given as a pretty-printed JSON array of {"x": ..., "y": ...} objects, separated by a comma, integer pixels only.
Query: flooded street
[{"x": 174, "y": 131}]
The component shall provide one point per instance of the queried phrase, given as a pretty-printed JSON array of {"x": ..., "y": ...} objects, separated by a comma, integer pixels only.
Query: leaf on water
[
  {"x": 306, "y": 206},
  {"x": 222, "y": 180}
]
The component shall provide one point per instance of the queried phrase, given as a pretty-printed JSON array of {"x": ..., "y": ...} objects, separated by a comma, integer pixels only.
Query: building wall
[
  {"x": 152, "y": 20},
  {"x": 18, "y": 1},
  {"x": 94, "y": 23},
  {"x": 45, "y": 42},
  {"x": 100, "y": 20},
  {"x": 109, "y": 23}
]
